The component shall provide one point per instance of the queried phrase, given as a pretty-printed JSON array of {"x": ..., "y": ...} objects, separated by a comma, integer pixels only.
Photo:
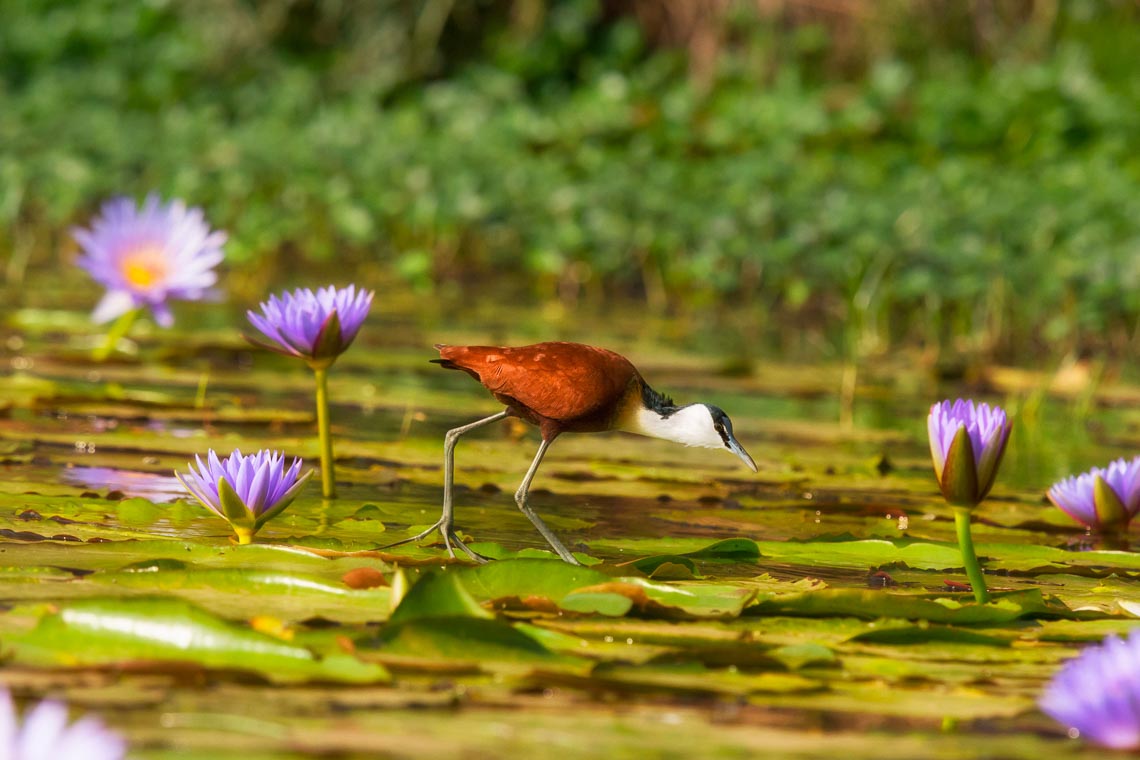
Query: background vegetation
[{"x": 956, "y": 175}]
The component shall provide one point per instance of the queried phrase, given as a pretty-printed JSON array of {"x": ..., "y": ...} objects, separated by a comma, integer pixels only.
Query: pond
[{"x": 815, "y": 607}]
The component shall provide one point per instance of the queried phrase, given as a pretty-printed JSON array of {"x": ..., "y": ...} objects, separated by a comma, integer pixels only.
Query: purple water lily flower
[
  {"x": 967, "y": 441},
  {"x": 247, "y": 491},
  {"x": 46, "y": 734},
  {"x": 317, "y": 327},
  {"x": 149, "y": 255},
  {"x": 1101, "y": 498},
  {"x": 1097, "y": 694}
]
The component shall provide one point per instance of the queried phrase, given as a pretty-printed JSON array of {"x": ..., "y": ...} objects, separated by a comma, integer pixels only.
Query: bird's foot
[
  {"x": 449, "y": 538},
  {"x": 565, "y": 555}
]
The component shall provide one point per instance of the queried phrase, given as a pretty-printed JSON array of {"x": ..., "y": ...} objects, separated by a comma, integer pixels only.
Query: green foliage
[{"x": 921, "y": 196}]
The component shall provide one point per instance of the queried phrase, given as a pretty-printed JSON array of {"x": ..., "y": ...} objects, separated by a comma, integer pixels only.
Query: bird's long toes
[
  {"x": 474, "y": 555},
  {"x": 418, "y": 537},
  {"x": 569, "y": 559}
]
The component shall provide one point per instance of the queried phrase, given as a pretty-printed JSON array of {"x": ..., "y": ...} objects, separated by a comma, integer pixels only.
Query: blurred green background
[{"x": 846, "y": 176}]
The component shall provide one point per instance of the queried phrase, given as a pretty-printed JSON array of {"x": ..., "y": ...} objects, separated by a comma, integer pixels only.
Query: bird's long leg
[
  {"x": 521, "y": 500},
  {"x": 446, "y": 518}
]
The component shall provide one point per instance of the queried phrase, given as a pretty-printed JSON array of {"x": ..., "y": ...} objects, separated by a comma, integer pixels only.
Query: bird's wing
[{"x": 561, "y": 381}]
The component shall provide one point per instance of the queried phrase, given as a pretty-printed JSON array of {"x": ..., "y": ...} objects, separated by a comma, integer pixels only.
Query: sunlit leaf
[
  {"x": 437, "y": 595},
  {"x": 168, "y": 632}
]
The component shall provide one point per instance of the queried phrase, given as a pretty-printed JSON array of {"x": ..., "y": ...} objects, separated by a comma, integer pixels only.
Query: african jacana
[{"x": 570, "y": 388}]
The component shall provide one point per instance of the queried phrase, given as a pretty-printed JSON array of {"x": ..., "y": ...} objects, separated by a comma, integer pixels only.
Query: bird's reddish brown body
[{"x": 560, "y": 387}]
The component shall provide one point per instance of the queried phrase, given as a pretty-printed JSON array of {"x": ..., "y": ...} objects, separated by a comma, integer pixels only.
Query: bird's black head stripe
[
  {"x": 658, "y": 402},
  {"x": 721, "y": 423}
]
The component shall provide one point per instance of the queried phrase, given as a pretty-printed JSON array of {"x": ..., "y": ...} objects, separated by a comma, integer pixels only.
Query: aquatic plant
[
  {"x": 1105, "y": 499},
  {"x": 967, "y": 441},
  {"x": 145, "y": 256},
  {"x": 246, "y": 491},
  {"x": 46, "y": 735},
  {"x": 317, "y": 327},
  {"x": 314, "y": 326},
  {"x": 1097, "y": 694}
]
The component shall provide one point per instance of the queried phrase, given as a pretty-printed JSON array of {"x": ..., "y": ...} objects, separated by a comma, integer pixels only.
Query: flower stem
[
  {"x": 328, "y": 467},
  {"x": 969, "y": 558},
  {"x": 244, "y": 534},
  {"x": 1113, "y": 540},
  {"x": 119, "y": 329}
]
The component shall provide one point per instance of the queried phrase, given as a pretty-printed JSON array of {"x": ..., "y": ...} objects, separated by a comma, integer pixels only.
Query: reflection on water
[{"x": 161, "y": 489}]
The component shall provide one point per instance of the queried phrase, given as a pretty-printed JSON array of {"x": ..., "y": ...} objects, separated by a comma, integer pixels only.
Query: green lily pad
[
  {"x": 697, "y": 679},
  {"x": 1003, "y": 608},
  {"x": 460, "y": 642},
  {"x": 166, "y": 632},
  {"x": 437, "y": 595}
]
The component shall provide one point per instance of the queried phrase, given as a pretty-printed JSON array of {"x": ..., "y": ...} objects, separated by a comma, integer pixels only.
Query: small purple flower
[
  {"x": 967, "y": 441},
  {"x": 146, "y": 256},
  {"x": 1101, "y": 498},
  {"x": 46, "y": 735},
  {"x": 1097, "y": 694},
  {"x": 317, "y": 327},
  {"x": 246, "y": 491}
]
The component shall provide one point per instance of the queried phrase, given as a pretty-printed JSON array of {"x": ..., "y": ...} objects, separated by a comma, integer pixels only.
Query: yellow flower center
[{"x": 144, "y": 267}]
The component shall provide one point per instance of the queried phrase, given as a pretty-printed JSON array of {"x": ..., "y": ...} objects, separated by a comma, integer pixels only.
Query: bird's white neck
[{"x": 691, "y": 425}]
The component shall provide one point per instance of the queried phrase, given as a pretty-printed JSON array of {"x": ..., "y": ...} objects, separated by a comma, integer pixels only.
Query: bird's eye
[{"x": 719, "y": 428}]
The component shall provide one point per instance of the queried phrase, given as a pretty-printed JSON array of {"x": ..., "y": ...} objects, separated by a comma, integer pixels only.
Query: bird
[{"x": 563, "y": 387}]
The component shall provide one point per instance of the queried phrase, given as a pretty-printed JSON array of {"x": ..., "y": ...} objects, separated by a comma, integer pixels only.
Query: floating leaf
[
  {"x": 923, "y": 634},
  {"x": 437, "y": 595},
  {"x": 517, "y": 578},
  {"x": 1004, "y": 607},
  {"x": 700, "y": 680},
  {"x": 684, "y": 566},
  {"x": 604, "y": 599},
  {"x": 675, "y": 571},
  {"x": 796, "y": 656},
  {"x": 164, "y": 632},
  {"x": 730, "y": 549},
  {"x": 652, "y": 565},
  {"x": 468, "y": 642}
]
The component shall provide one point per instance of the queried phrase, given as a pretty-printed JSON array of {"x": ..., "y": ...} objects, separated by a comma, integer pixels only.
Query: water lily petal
[
  {"x": 115, "y": 303},
  {"x": 959, "y": 475},
  {"x": 1110, "y": 511},
  {"x": 1098, "y": 693}
]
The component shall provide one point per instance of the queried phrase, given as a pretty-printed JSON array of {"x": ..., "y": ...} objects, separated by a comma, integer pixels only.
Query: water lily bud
[{"x": 967, "y": 442}]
